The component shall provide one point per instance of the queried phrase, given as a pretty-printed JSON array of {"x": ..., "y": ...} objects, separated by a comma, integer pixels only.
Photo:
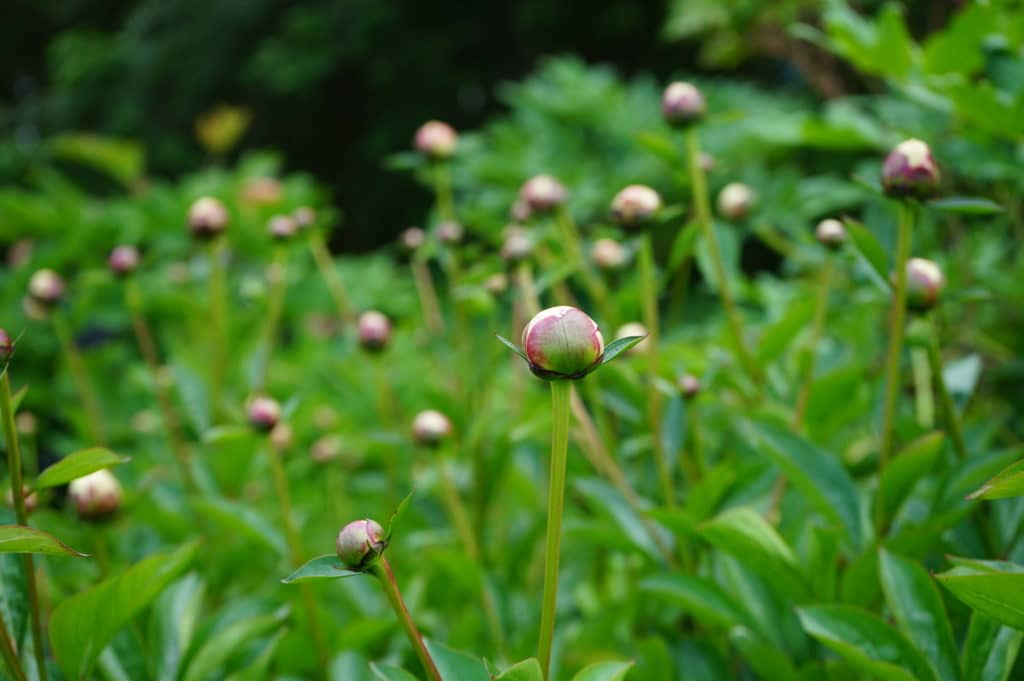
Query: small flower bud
[
  {"x": 634, "y": 329},
  {"x": 543, "y": 193},
  {"x": 207, "y": 218},
  {"x": 31, "y": 499},
  {"x": 282, "y": 437},
  {"x": 689, "y": 385},
  {"x": 520, "y": 210},
  {"x": 925, "y": 282},
  {"x": 326, "y": 448},
  {"x": 263, "y": 413},
  {"x": 123, "y": 260},
  {"x": 635, "y": 204},
  {"x": 282, "y": 227},
  {"x": 6, "y": 345},
  {"x": 96, "y": 495},
  {"x": 359, "y": 543},
  {"x": 608, "y": 254},
  {"x": 374, "y": 330},
  {"x": 910, "y": 171},
  {"x": 262, "y": 191},
  {"x": 518, "y": 245},
  {"x": 412, "y": 239},
  {"x": 27, "y": 423},
  {"x": 735, "y": 200},
  {"x": 830, "y": 233},
  {"x": 496, "y": 284},
  {"x": 562, "y": 342},
  {"x": 430, "y": 428},
  {"x": 304, "y": 217},
  {"x": 436, "y": 139},
  {"x": 682, "y": 104},
  {"x": 46, "y": 288},
  {"x": 449, "y": 232}
]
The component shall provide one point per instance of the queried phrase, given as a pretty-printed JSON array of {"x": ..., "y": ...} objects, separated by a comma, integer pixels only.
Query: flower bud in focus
[
  {"x": 543, "y": 193},
  {"x": 925, "y": 282},
  {"x": 735, "y": 200},
  {"x": 562, "y": 342},
  {"x": 689, "y": 385},
  {"x": 449, "y": 232},
  {"x": 96, "y": 495},
  {"x": 374, "y": 330},
  {"x": 430, "y": 428},
  {"x": 909, "y": 171},
  {"x": 263, "y": 413},
  {"x": 282, "y": 227},
  {"x": 682, "y": 104},
  {"x": 634, "y": 329},
  {"x": 436, "y": 139},
  {"x": 123, "y": 260},
  {"x": 359, "y": 543},
  {"x": 207, "y": 218},
  {"x": 830, "y": 233},
  {"x": 635, "y": 204},
  {"x": 608, "y": 254},
  {"x": 46, "y": 288}
]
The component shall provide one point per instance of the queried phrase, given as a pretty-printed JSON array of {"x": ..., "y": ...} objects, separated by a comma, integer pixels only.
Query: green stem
[
  {"x": 443, "y": 191},
  {"x": 923, "y": 401},
  {"x": 218, "y": 326},
  {"x": 21, "y": 513},
  {"x": 93, "y": 420},
  {"x": 594, "y": 284},
  {"x": 9, "y": 653},
  {"x": 700, "y": 463},
  {"x": 817, "y": 330},
  {"x": 703, "y": 211},
  {"x": 278, "y": 276},
  {"x": 427, "y": 295},
  {"x": 382, "y": 571},
  {"x": 897, "y": 322},
  {"x": 329, "y": 274},
  {"x": 524, "y": 281},
  {"x": 949, "y": 412},
  {"x": 560, "y": 398}
]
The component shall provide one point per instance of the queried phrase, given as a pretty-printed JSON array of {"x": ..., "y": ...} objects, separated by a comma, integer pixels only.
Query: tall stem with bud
[
  {"x": 381, "y": 569},
  {"x": 218, "y": 325},
  {"x": 335, "y": 286}
]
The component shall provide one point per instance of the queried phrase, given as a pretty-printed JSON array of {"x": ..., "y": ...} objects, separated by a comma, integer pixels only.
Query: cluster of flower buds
[
  {"x": 430, "y": 428},
  {"x": 609, "y": 254},
  {"x": 6, "y": 345},
  {"x": 830, "y": 233},
  {"x": 518, "y": 246},
  {"x": 925, "y": 282},
  {"x": 635, "y": 204},
  {"x": 374, "y": 331},
  {"x": 45, "y": 288},
  {"x": 562, "y": 342},
  {"x": 436, "y": 140},
  {"x": 360, "y": 543},
  {"x": 96, "y": 495},
  {"x": 449, "y": 232},
  {"x": 207, "y": 218},
  {"x": 123, "y": 260},
  {"x": 689, "y": 386},
  {"x": 735, "y": 200},
  {"x": 282, "y": 227},
  {"x": 412, "y": 239},
  {"x": 630, "y": 329},
  {"x": 263, "y": 413},
  {"x": 543, "y": 193},
  {"x": 909, "y": 171},
  {"x": 682, "y": 104}
]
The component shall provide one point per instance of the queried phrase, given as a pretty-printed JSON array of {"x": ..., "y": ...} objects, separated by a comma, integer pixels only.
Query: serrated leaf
[
  {"x": 77, "y": 465},
  {"x": 619, "y": 346},
  {"x": 604, "y": 671},
  {"x": 20, "y": 539}
]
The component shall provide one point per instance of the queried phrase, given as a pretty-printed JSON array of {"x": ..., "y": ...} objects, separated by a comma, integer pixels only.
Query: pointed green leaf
[
  {"x": 322, "y": 567},
  {"x": 1000, "y": 595},
  {"x": 764, "y": 658},
  {"x": 617, "y": 347},
  {"x": 77, "y": 465},
  {"x": 399, "y": 510},
  {"x": 1008, "y": 483},
  {"x": 456, "y": 666},
  {"x": 966, "y": 205},
  {"x": 387, "y": 672},
  {"x": 527, "y": 670},
  {"x": 911, "y": 464},
  {"x": 20, "y": 539},
  {"x": 869, "y": 250},
  {"x": 704, "y": 600},
  {"x": 990, "y": 649},
  {"x": 511, "y": 346},
  {"x": 604, "y": 671},
  {"x": 216, "y": 649}
]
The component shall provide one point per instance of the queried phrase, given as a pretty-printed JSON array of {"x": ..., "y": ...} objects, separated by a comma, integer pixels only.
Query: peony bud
[
  {"x": 412, "y": 239},
  {"x": 304, "y": 217},
  {"x": 207, "y": 218},
  {"x": 520, "y": 210},
  {"x": 635, "y": 204},
  {"x": 263, "y": 413},
  {"x": 326, "y": 448},
  {"x": 562, "y": 342},
  {"x": 449, "y": 232},
  {"x": 542, "y": 193},
  {"x": 46, "y": 288},
  {"x": 123, "y": 260},
  {"x": 430, "y": 428},
  {"x": 634, "y": 329},
  {"x": 924, "y": 283},
  {"x": 374, "y": 330},
  {"x": 282, "y": 227},
  {"x": 96, "y": 495},
  {"x": 735, "y": 200},
  {"x": 909, "y": 171},
  {"x": 689, "y": 385},
  {"x": 682, "y": 104},
  {"x": 436, "y": 139},
  {"x": 608, "y": 254},
  {"x": 282, "y": 437},
  {"x": 262, "y": 191},
  {"x": 830, "y": 233},
  {"x": 6, "y": 345},
  {"x": 31, "y": 498},
  {"x": 517, "y": 246},
  {"x": 360, "y": 543},
  {"x": 496, "y": 284}
]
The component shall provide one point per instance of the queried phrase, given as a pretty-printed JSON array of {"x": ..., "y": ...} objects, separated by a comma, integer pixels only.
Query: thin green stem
[
  {"x": 696, "y": 444},
  {"x": 382, "y": 571},
  {"x": 595, "y": 285},
  {"x": 427, "y": 294},
  {"x": 561, "y": 392},
  {"x": 443, "y": 190},
  {"x": 924, "y": 402},
  {"x": 946, "y": 405},
  {"x": 527, "y": 289},
  {"x": 278, "y": 276},
  {"x": 703, "y": 212},
  {"x": 817, "y": 330},
  {"x": 335, "y": 286},
  {"x": 218, "y": 326},
  {"x": 10, "y": 654},
  {"x": 93, "y": 419},
  {"x": 21, "y": 513}
]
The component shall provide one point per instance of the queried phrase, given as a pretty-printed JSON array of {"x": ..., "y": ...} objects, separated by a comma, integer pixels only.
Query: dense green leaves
[
  {"x": 76, "y": 465},
  {"x": 1000, "y": 595}
]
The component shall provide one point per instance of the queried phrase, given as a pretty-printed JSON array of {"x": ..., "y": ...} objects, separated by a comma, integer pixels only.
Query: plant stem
[
  {"x": 330, "y": 275},
  {"x": 949, "y": 412},
  {"x": 382, "y": 571},
  {"x": 560, "y": 398},
  {"x": 21, "y": 513},
  {"x": 703, "y": 211},
  {"x": 93, "y": 420},
  {"x": 218, "y": 326},
  {"x": 9, "y": 653},
  {"x": 649, "y": 296},
  {"x": 147, "y": 347},
  {"x": 427, "y": 294},
  {"x": 443, "y": 190},
  {"x": 278, "y": 276},
  {"x": 700, "y": 464},
  {"x": 594, "y": 284},
  {"x": 924, "y": 402},
  {"x": 817, "y": 329},
  {"x": 524, "y": 281}
]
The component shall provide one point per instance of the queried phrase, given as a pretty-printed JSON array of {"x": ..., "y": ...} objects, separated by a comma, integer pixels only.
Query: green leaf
[
  {"x": 911, "y": 464},
  {"x": 257, "y": 670},
  {"x": 387, "y": 672},
  {"x": 966, "y": 205},
  {"x": 122, "y": 159},
  {"x": 816, "y": 473},
  {"x": 610, "y": 503},
  {"x": 604, "y": 671},
  {"x": 990, "y": 649},
  {"x": 85, "y": 623},
  {"x": 456, "y": 666},
  {"x": 20, "y": 539},
  {"x": 527, "y": 670},
  {"x": 619, "y": 346},
  {"x": 1008, "y": 483},
  {"x": 219, "y": 647},
  {"x": 1000, "y": 595},
  {"x": 243, "y": 519},
  {"x": 511, "y": 346},
  {"x": 917, "y": 606},
  {"x": 704, "y": 600},
  {"x": 78, "y": 464},
  {"x": 323, "y": 567},
  {"x": 866, "y": 642},
  {"x": 682, "y": 247},
  {"x": 173, "y": 623},
  {"x": 399, "y": 510},
  {"x": 870, "y": 252},
  {"x": 764, "y": 658}
]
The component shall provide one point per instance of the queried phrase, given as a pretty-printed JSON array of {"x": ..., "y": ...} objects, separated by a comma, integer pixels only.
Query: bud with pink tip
[
  {"x": 518, "y": 246},
  {"x": 635, "y": 204},
  {"x": 735, "y": 200},
  {"x": 449, "y": 232},
  {"x": 96, "y": 495},
  {"x": 374, "y": 330},
  {"x": 682, "y": 104},
  {"x": 436, "y": 139},
  {"x": 6, "y": 345},
  {"x": 263, "y": 413},
  {"x": 430, "y": 428},
  {"x": 360, "y": 543},
  {"x": 412, "y": 239},
  {"x": 282, "y": 227},
  {"x": 123, "y": 260},
  {"x": 542, "y": 193},
  {"x": 689, "y": 385},
  {"x": 207, "y": 218},
  {"x": 830, "y": 233},
  {"x": 630, "y": 329},
  {"x": 562, "y": 342},
  {"x": 925, "y": 282},
  {"x": 46, "y": 288},
  {"x": 608, "y": 254},
  {"x": 910, "y": 171}
]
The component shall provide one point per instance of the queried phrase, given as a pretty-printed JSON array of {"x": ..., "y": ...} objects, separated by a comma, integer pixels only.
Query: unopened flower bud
[
  {"x": 910, "y": 171},
  {"x": 689, "y": 385},
  {"x": 123, "y": 260},
  {"x": 96, "y": 495},
  {"x": 562, "y": 342},
  {"x": 634, "y": 329},
  {"x": 263, "y": 413},
  {"x": 6, "y": 345},
  {"x": 497, "y": 283},
  {"x": 543, "y": 193},
  {"x": 282, "y": 227},
  {"x": 412, "y": 239},
  {"x": 374, "y": 330},
  {"x": 262, "y": 191},
  {"x": 517, "y": 246},
  {"x": 925, "y": 282},
  {"x": 46, "y": 288},
  {"x": 304, "y": 217},
  {"x": 430, "y": 428},
  {"x": 682, "y": 104},
  {"x": 27, "y": 423},
  {"x": 326, "y": 448},
  {"x": 282, "y": 437},
  {"x": 608, "y": 254},
  {"x": 635, "y": 204},
  {"x": 520, "y": 210},
  {"x": 735, "y": 200},
  {"x": 436, "y": 139},
  {"x": 830, "y": 233},
  {"x": 207, "y": 218},
  {"x": 449, "y": 232},
  {"x": 360, "y": 543},
  {"x": 31, "y": 499}
]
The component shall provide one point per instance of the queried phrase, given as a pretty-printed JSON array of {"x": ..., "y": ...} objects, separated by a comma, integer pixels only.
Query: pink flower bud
[
  {"x": 449, "y": 232},
  {"x": 359, "y": 543},
  {"x": 282, "y": 227},
  {"x": 735, "y": 200},
  {"x": 635, "y": 204},
  {"x": 46, "y": 288},
  {"x": 96, "y": 495},
  {"x": 925, "y": 282},
  {"x": 609, "y": 254},
  {"x": 6, "y": 345},
  {"x": 682, "y": 104},
  {"x": 430, "y": 428},
  {"x": 543, "y": 193},
  {"x": 263, "y": 413},
  {"x": 562, "y": 342},
  {"x": 207, "y": 218},
  {"x": 436, "y": 139},
  {"x": 374, "y": 330},
  {"x": 910, "y": 171},
  {"x": 689, "y": 385},
  {"x": 518, "y": 246},
  {"x": 412, "y": 239},
  {"x": 123, "y": 260},
  {"x": 496, "y": 284}
]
